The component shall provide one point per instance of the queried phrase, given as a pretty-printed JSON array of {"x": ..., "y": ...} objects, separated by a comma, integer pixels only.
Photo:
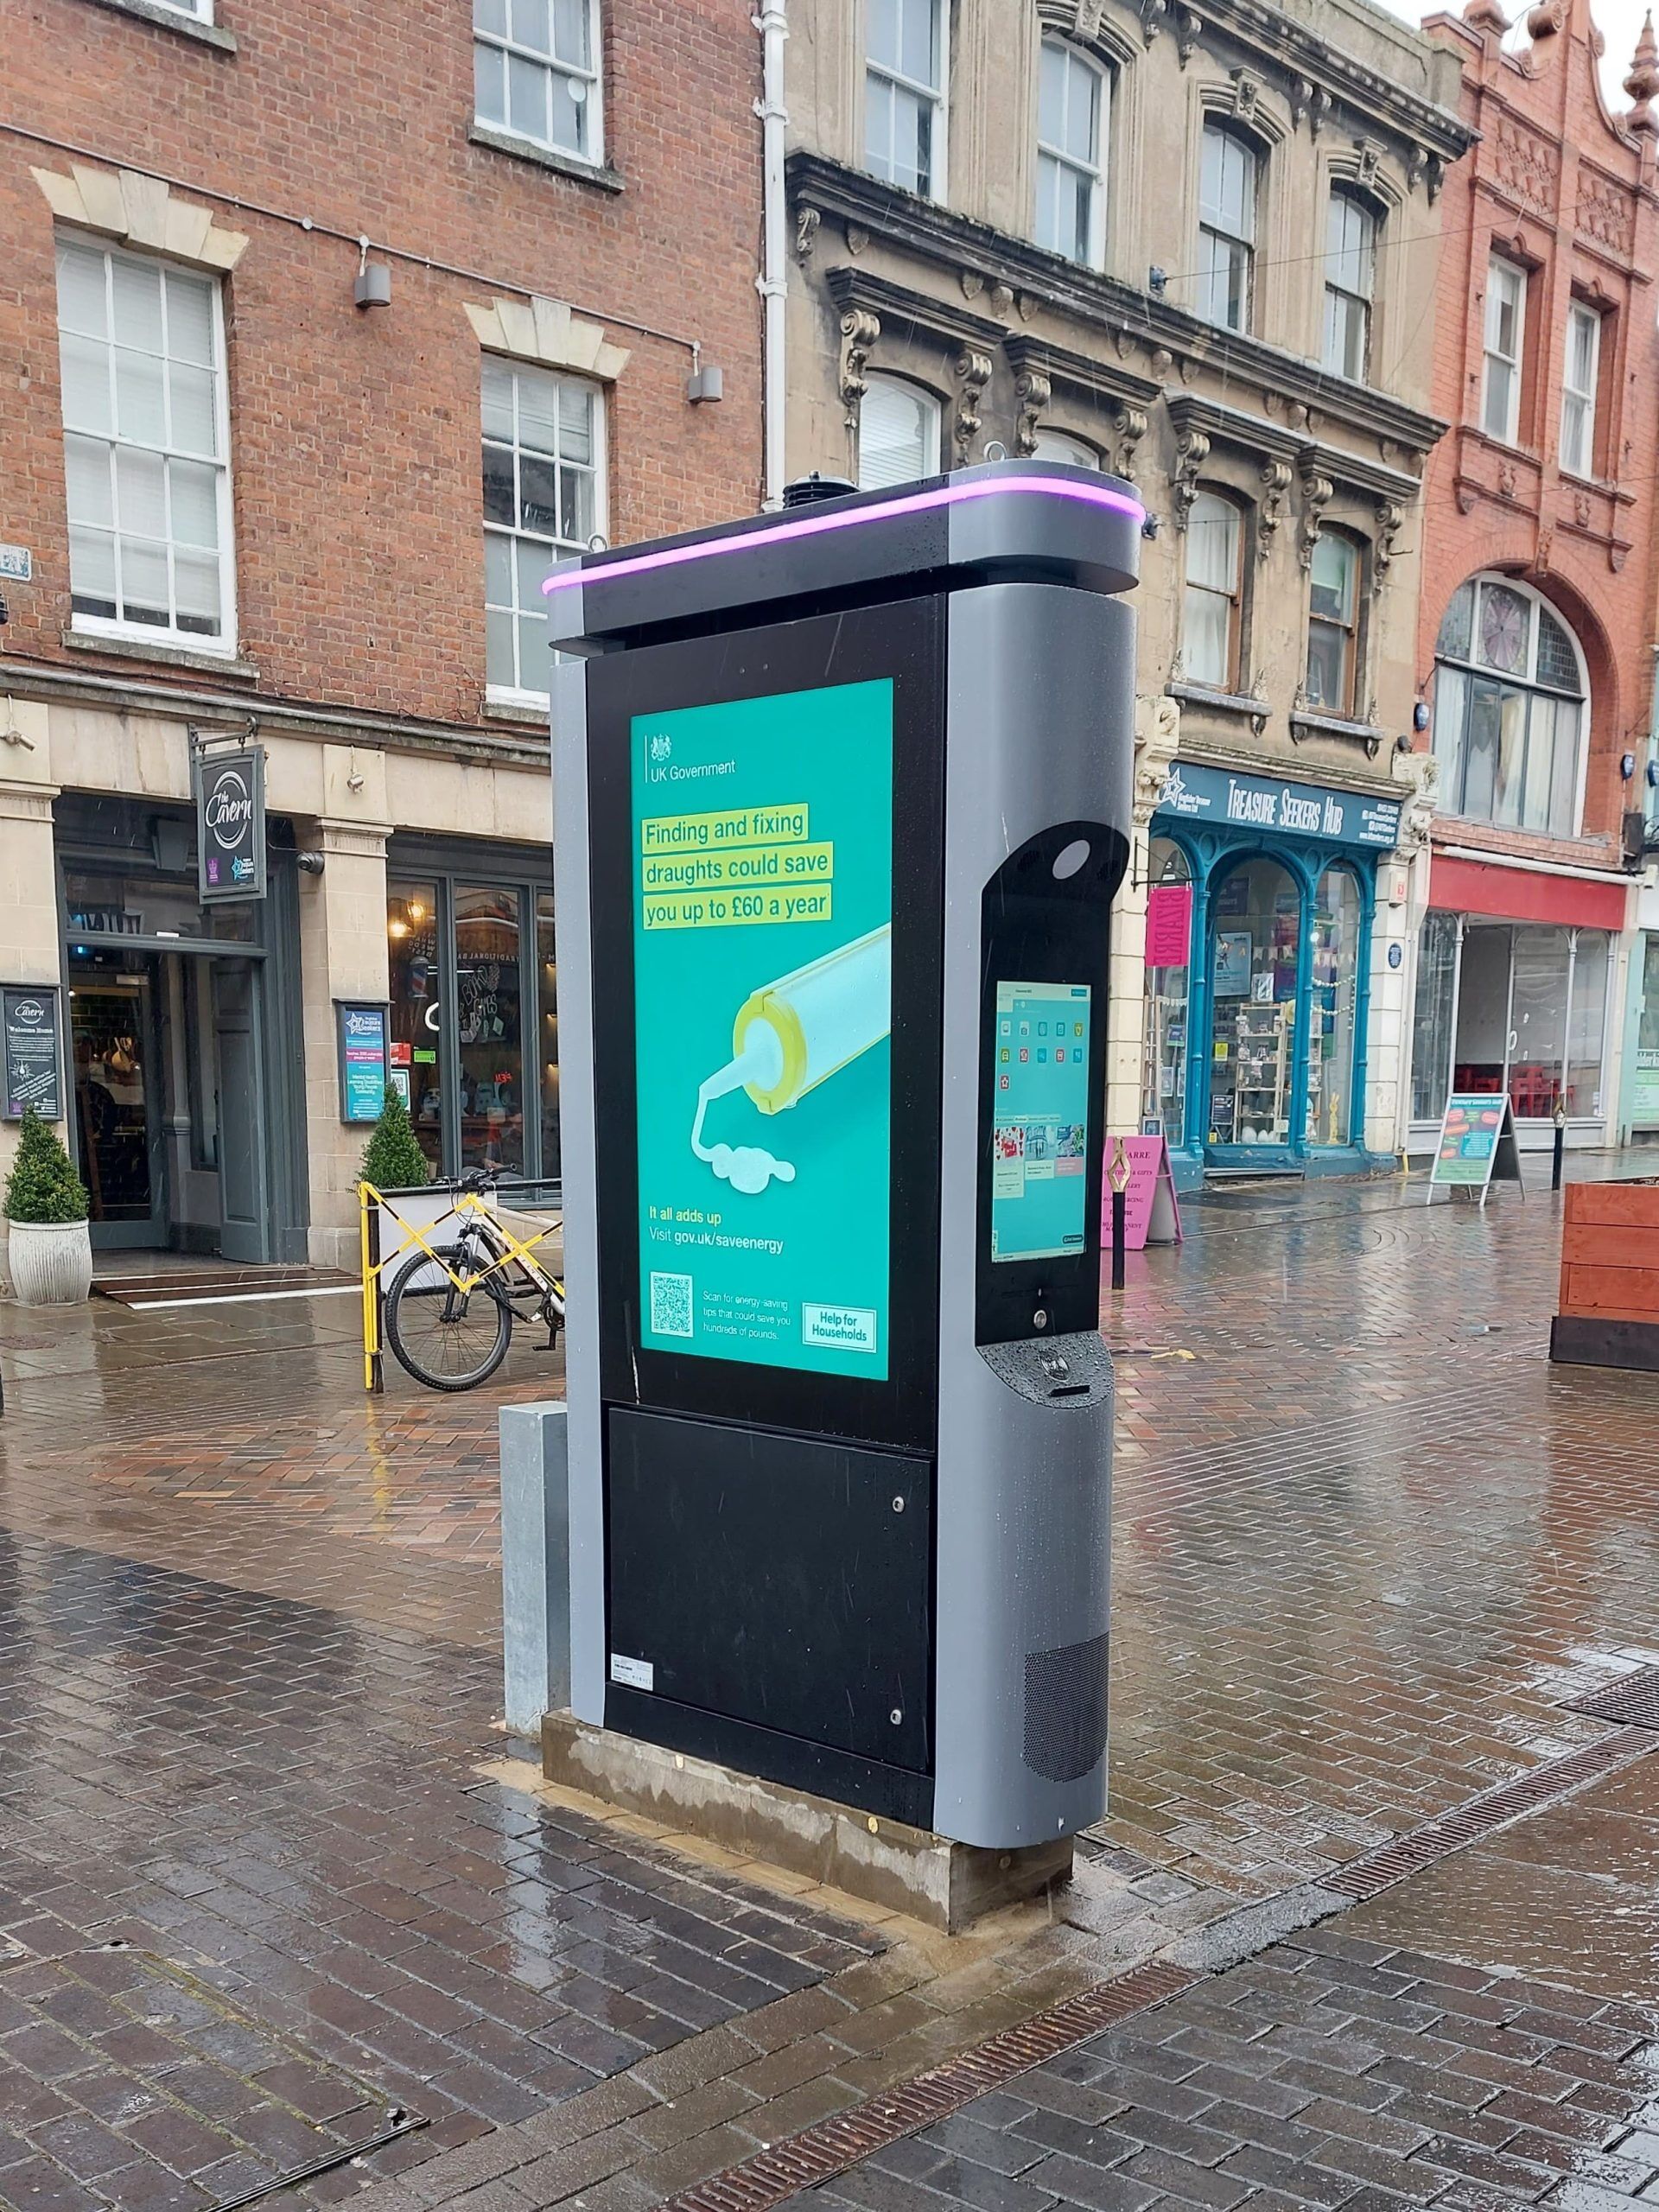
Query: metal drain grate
[
  {"x": 1408, "y": 1855},
  {"x": 820, "y": 2152},
  {"x": 1633, "y": 1699}
]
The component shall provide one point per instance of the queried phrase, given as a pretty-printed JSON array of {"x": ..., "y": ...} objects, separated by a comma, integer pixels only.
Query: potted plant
[
  {"x": 50, "y": 1247},
  {"x": 392, "y": 1158}
]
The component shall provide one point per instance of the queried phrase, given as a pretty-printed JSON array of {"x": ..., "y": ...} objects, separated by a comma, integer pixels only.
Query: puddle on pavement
[{"x": 1570, "y": 1896}]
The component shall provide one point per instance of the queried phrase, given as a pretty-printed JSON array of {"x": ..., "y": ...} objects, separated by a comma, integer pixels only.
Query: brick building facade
[
  {"x": 247, "y": 505},
  {"x": 1536, "y": 645}
]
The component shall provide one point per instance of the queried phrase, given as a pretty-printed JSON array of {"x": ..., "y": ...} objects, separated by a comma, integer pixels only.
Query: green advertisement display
[{"x": 762, "y": 951}]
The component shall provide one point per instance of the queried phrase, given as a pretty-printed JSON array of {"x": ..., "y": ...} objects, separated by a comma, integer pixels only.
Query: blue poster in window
[{"x": 362, "y": 1062}]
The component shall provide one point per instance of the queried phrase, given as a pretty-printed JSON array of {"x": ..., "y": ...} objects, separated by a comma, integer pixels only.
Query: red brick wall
[
  {"x": 1588, "y": 551},
  {"x": 355, "y": 434}
]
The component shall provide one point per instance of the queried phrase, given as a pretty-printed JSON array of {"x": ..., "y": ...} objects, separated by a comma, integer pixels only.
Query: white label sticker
[
  {"x": 632, "y": 1673},
  {"x": 845, "y": 1328}
]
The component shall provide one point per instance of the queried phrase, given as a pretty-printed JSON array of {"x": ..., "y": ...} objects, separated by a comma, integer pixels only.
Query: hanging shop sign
[
  {"x": 1152, "y": 1212},
  {"x": 1169, "y": 924},
  {"x": 229, "y": 790},
  {"x": 1217, "y": 797},
  {"x": 360, "y": 1033},
  {"x": 1477, "y": 1145},
  {"x": 33, "y": 1064}
]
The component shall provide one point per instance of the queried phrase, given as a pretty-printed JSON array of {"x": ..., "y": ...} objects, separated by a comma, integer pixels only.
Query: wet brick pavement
[
  {"x": 1366, "y": 1543},
  {"x": 1327, "y": 2072}
]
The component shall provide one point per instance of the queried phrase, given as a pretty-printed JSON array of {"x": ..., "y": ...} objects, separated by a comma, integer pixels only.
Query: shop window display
[
  {"x": 1431, "y": 1025},
  {"x": 1255, "y": 926},
  {"x": 489, "y": 1026},
  {"x": 417, "y": 1011},
  {"x": 1335, "y": 952},
  {"x": 1167, "y": 993}
]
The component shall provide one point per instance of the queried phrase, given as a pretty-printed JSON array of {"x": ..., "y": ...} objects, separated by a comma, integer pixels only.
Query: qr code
[{"x": 670, "y": 1305}]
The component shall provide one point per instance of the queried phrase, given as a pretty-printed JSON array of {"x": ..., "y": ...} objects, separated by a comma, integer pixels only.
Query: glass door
[
  {"x": 1255, "y": 948},
  {"x": 117, "y": 1106},
  {"x": 1481, "y": 1061}
]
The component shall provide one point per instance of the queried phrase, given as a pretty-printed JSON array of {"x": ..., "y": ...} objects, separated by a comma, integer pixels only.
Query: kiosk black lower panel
[{"x": 770, "y": 1604}]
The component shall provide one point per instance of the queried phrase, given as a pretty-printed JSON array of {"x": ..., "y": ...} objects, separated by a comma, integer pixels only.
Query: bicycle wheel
[{"x": 448, "y": 1338}]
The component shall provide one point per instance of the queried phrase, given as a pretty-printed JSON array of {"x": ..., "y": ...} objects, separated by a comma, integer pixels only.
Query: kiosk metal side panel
[
  {"x": 1040, "y": 687},
  {"x": 576, "y": 1116}
]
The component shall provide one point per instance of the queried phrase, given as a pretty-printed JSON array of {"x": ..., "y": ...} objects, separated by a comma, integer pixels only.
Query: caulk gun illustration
[{"x": 791, "y": 1035}]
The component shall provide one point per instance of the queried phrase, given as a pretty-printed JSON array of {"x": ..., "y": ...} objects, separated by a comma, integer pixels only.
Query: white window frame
[
  {"x": 506, "y": 694},
  {"x": 1094, "y": 254},
  {"x": 591, "y": 156},
  {"x": 1363, "y": 297},
  {"x": 933, "y": 411},
  {"x": 196, "y": 12},
  {"x": 1501, "y": 273},
  {"x": 1061, "y": 446},
  {"x": 1244, "y": 237},
  {"x": 1581, "y": 398},
  {"x": 1229, "y": 678},
  {"x": 938, "y": 95},
  {"x": 1453, "y": 768},
  {"x": 224, "y": 646}
]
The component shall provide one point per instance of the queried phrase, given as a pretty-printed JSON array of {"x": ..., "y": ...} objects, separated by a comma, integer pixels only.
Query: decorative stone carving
[
  {"x": 1391, "y": 517},
  {"x": 1421, "y": 773},
  {"x": 1617, "y": 556},
  {"x": 1000, "y": 300},
  {"x": 1157, "y": 739},
  {"x": 972, "y": 283},
  {"x": 1527, "y": 164},
  {"x": 807, "y": 221},
  {"x": 857, "y": 238},
  {"x": 1317, "y": 493},
  {"x": 1606, "y": 211},
  {"x": 1369, "y": 153},
  {"x": 1027, "y": 305},
  {"x": 1189, "y": 29},
  {"x": 1087, "y": 18},
  {"x": 1301, "y": 91},
  {"x": 1131, "y": 423},
  {"x": 1191, "y": 451},
  {"x": 1416, "y": 167},
  {"x": 859, "y": 330},
  {"x": 1506, "y": 478},
  {"x": 1162, "y": 362},
  {"x": 1436, "y": 177},
  {"x": 140, "y": 211},
  {"x": 1032, "y": 392},
  {"x": 973, "y": 374},
  {"x": 1541, "y": 559},
  {"x": 1642, "y": 83},
  {"x": 1581, "y": 508},
  {"x": 1153, "y": 13},
  {"x": 1276, "y": 477},
  {"x": 1319, "y": 107},
  {"x": 1247, "y": 92}
]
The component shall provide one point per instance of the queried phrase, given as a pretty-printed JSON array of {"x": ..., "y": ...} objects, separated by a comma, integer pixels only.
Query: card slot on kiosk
[{"x": 842, "y": 800}]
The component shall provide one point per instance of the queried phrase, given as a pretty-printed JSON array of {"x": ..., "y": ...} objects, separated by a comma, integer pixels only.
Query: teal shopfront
[{"x": 1261, "y": 896}]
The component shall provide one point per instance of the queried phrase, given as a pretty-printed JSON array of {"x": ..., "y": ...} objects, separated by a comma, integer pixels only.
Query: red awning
[{"x": 1514, "y": 895}]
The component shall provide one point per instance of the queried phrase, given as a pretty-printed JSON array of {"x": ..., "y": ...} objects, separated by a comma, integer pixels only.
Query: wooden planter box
[{"x": 1609, "y": 1312}]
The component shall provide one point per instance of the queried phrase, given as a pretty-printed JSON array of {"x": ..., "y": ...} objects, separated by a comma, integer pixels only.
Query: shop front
[
  {"x": 1514, "y": 976},
  {"x": 1640, "y": 1114},
  {"x": 474, "y": 1029},
  {"x": 1261, "y": 900},
  {"x": 186, "y": 1117}
]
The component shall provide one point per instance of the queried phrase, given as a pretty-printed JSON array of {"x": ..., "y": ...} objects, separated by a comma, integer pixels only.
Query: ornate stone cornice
[
  {"x": 949, "y": 242},
  {"x": 895, "y": 305}
]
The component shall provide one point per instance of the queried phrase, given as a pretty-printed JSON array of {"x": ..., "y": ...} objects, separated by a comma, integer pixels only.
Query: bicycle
[{"x": 450, "y": 1309}]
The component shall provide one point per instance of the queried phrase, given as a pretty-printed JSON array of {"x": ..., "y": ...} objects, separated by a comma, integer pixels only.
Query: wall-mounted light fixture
[
  {"x": 373, "y": 285},
  {"x": 705, "y": 385}
]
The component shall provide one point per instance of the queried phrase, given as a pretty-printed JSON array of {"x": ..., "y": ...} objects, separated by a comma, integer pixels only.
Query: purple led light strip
[{"x": 811, "y": 525}]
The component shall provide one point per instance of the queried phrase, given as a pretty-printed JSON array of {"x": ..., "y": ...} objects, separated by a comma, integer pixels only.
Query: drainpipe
[{"x": 773, "y": 283}]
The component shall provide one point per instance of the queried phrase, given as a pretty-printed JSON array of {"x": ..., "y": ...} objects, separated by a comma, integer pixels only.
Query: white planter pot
[{"x": 50, "y": 1263}]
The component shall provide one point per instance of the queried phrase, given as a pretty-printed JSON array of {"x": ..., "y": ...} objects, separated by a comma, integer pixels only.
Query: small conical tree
[
  {"x": 42, "y": 1185},
  {"x": 392, "y": 1158}
]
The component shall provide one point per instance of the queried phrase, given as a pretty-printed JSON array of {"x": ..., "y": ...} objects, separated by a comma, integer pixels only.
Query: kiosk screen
[{"x": 1039, "y": 1124}]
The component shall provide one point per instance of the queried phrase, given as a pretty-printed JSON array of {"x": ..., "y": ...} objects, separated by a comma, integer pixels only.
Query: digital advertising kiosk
[{"x": 842, "y": 796}]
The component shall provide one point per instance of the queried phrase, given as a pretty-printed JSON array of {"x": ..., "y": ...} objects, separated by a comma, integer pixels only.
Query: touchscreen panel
[{"x": 1039, "y": 1121}]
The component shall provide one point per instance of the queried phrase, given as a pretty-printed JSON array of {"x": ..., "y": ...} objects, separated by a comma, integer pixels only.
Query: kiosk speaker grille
[{"x": 1066, "y": 1709}]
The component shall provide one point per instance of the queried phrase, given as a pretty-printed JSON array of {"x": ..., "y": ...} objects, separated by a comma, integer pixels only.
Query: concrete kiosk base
[{"x": 946, "y": 1885}]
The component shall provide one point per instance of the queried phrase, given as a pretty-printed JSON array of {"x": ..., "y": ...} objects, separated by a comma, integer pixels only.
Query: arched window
[
  {"x": 1071, "y": 108},
  {"x": 898, "y": 434},
  {"x": 1209, "y": 615},
  {"x": 1228, "y": 182},
  {"x": 1349, "y": 283},
  {"x": 1333, "y": 623},
  {"x": 1054, "y": 445},
  {"x": 1510, "y": 706}
]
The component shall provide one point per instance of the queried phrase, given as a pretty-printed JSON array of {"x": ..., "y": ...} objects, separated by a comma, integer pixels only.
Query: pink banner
[{"x": 1169, "y": 924}]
